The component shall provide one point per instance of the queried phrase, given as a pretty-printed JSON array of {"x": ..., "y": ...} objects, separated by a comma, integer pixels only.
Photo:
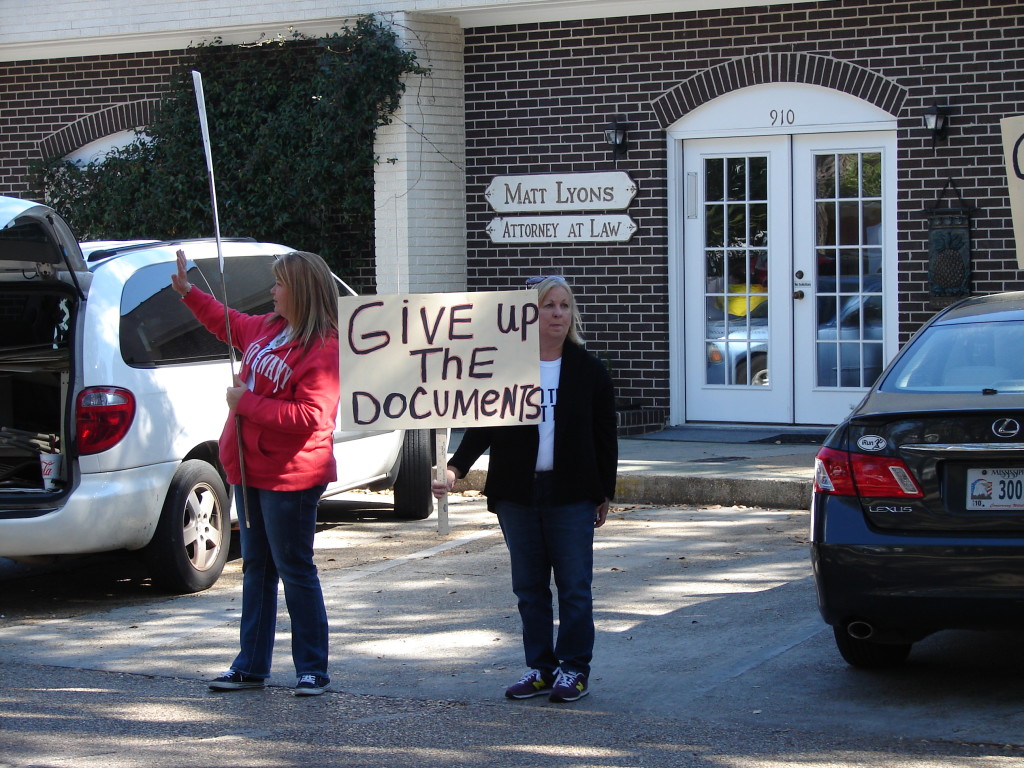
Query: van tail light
[
  {"x": 856, "y": 474},
  {"x": 104, "y": 416}
]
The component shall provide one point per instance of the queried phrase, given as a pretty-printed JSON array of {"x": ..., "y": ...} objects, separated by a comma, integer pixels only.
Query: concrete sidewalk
[{"x": 759, "y": 466}]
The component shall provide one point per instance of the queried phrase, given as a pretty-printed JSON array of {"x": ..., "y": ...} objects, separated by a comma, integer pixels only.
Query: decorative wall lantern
[
  {"x": 615, "y": 134},
  {"x": 936, "y": 120},
  {"x": 949, "y": 250}
]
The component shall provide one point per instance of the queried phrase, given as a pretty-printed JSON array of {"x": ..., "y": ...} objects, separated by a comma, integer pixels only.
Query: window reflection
[
  {"x": 736, "y": 271},
  {"x": 158, "y": 329},
  {"x": 848, "y": 282}
]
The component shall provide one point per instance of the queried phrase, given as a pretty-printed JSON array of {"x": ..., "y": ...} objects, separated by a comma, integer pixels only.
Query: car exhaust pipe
[{"x": 860, "y": 630}]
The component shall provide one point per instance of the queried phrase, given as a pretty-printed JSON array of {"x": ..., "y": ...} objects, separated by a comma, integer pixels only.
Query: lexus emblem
[{"x": 1005, "y": 427}]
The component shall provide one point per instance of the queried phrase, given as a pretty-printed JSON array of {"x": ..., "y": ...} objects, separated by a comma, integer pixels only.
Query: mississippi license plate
[{"x": 995, "y": 489}]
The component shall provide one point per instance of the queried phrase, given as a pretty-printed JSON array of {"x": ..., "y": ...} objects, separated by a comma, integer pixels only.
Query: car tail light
[
  {"x": 857, "y": 474},
  {"x": 104, "y": 415},
  {"x": 832, "y": 473}
]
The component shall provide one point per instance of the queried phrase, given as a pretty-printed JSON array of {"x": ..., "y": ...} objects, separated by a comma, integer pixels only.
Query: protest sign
[
  {"x": 1013, "y": 149},
  {"x": 439, "y": 360}
]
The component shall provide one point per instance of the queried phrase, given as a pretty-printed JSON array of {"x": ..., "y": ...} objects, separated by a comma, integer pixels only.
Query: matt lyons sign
[
  {"x": 564, "y": 192},
  {"x": 561, "y": 194},
  {"x": 439, "y": 360}
]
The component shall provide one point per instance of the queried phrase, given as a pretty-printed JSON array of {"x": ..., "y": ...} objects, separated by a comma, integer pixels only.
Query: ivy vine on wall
[{"x": 292, "y": 122}]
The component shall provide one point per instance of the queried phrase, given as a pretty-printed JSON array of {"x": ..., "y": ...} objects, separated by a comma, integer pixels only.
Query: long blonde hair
[{"x": 312, "y": 294}]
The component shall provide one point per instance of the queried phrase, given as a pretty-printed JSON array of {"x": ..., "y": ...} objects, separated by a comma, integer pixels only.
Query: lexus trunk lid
[{"x": 968, "y": 464}]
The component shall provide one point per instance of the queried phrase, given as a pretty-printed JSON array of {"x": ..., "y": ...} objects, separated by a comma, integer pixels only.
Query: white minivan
[{"x": 111, "y": 401}]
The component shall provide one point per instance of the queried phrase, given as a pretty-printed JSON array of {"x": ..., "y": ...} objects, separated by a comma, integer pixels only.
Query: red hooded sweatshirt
[{"x": 287, "y": 417}]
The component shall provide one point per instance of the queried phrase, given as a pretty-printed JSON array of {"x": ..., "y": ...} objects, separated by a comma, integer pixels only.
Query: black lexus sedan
[{"x": 917, "y": 518}]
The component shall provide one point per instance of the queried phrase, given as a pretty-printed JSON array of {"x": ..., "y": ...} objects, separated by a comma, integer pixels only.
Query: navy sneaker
[
  {"x": 236, "y": 681},
  {"x": 569, "y": 686},
  {"x": 533, "y": 683},
  {"x": 311, "y": 685}
]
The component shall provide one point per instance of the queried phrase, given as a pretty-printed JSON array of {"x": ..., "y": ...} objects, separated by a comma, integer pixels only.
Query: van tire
[
  {"x": 758, "y": 371},
  {"x": 192, "y": 539},
  {"x": 413, "y": 499}
]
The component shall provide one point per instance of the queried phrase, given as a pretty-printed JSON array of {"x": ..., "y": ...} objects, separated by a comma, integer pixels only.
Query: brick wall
[
  {"x": 41, "y": 100},
  {"x": 539, "y": 95}
]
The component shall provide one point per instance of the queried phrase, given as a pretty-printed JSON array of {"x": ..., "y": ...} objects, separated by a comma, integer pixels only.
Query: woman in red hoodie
[{"x": 283, "y": 403}]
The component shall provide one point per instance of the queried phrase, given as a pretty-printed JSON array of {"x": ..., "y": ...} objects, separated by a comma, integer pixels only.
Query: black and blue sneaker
[
  {"x": 311, "y": 685},
  {"x": 236, "y": 681}
]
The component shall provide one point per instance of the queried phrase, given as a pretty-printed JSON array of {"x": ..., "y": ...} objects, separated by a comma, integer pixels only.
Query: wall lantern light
[
  {"x": 936, "y": 120},
  {"x": 615, "y": 135}
]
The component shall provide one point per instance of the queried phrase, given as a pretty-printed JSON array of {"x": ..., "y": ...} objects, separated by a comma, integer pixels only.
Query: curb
[
  {"x": 670, "y": 489},
  {"x": 666, "y": 489}
]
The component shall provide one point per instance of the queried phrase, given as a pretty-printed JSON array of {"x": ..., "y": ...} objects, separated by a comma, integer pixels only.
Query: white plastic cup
[{"x": 49, "y": 467}]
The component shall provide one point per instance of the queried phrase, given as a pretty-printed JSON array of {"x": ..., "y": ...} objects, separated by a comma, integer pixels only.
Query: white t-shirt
[{"x": 549, "y": 372}]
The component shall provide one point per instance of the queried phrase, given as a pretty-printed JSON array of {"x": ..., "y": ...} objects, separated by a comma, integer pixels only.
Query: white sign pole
[
  {"x": 441, "y": 473},
  {"x": 204, "y": 128}
]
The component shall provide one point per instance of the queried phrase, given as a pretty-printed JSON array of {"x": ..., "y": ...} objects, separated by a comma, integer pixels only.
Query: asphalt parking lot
[{"x": 710, "y": 652}]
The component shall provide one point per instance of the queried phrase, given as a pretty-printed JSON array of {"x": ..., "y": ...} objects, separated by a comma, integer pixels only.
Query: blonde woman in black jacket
[{"x": 550, "y": 486}]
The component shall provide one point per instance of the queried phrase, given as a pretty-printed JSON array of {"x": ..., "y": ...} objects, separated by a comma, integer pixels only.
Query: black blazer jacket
[{"x": 586, "y": 444}]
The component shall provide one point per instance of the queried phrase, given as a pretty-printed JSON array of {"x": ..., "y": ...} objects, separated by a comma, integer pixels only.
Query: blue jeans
[
  {"x": 278, "y": 545},
  {"x": 542, "y": 539}
]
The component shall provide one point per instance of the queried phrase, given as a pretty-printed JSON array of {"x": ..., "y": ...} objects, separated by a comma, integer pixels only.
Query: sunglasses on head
[{"x": 532, "y": 281}]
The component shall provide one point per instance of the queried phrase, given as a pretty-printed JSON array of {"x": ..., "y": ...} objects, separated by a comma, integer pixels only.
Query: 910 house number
[{"x": 782, "y": 116}]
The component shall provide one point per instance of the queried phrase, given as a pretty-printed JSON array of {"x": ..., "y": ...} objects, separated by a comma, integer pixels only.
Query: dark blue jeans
[
  {"x": 544, "y": 539},
  {"x": 278, "y": 545}
]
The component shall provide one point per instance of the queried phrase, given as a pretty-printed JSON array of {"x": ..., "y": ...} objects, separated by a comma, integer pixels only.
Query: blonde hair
[
  {"x": 312, "y": 294},
  {"x": 543, "y": 286}
]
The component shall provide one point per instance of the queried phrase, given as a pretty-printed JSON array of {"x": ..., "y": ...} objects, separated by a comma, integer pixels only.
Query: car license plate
[{"x": 995, "y": 489}]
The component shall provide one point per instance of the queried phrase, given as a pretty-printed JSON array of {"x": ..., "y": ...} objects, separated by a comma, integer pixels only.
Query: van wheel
[
  {"x": 758, "y": 371},
  {"x": 413, "y": 500},
  {"x": 190, "y": 546},
  {"x": 868, "y": 655}
]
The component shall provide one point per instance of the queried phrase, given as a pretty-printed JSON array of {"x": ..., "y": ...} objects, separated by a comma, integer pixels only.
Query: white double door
[{"x": 788, "y": 274}]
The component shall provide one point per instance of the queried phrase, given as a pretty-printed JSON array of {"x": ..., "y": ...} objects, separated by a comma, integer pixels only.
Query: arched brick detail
[
  {"x": 778, "y": 68},
  {"x": 120, "y": 117}
]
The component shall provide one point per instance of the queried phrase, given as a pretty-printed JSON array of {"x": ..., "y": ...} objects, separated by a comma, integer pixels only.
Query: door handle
[{"x": 798, "y": 294}]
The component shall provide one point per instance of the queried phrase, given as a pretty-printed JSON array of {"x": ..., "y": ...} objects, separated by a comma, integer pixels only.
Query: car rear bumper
[
  {"x": 909, "y": 582},
  {"x": 105, "y": 512}
]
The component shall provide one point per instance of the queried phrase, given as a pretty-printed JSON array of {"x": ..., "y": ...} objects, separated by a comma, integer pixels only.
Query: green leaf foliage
[{"x": 292, "y": 122}]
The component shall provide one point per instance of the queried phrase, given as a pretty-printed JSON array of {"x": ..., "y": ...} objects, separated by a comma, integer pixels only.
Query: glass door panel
[
  {"x": 730, "y": 245},
  {"x": 848, "y": 221},
  {"x": 839, "y": 333},
  {"x": 736, "y": 270}
]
